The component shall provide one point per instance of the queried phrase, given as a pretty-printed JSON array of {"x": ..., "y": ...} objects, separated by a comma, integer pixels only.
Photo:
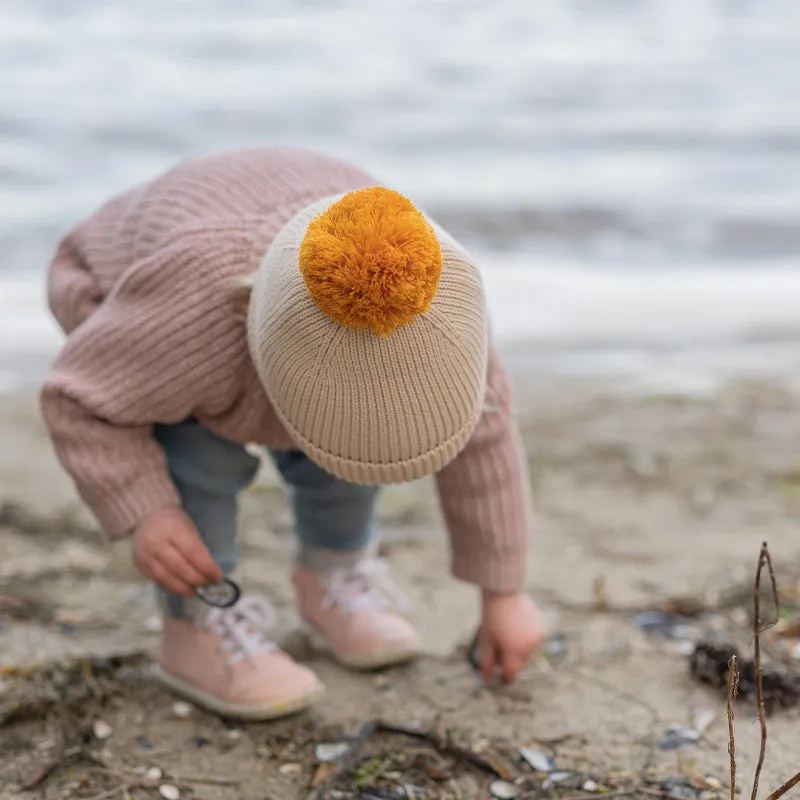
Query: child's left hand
[{"x": 511, "y": 629}]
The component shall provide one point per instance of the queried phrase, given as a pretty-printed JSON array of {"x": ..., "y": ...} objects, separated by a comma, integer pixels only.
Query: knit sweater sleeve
[
  {"x": 485, "y": 494},
  {"x": 162, "y": 344}
]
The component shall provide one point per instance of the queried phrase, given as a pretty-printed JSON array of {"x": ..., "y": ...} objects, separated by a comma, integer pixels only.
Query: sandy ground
[{"x": 639, "y": 498}]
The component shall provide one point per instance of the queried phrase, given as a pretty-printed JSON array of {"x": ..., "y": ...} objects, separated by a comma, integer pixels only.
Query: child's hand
[
  {"x": 168, "y": 550},
  {"x": 511, "y": 629}
]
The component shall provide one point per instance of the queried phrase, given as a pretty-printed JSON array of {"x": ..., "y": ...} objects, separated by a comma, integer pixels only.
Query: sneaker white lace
[
  {"x": 244, "y": 628},
  {"x": 366, "y": 586}
]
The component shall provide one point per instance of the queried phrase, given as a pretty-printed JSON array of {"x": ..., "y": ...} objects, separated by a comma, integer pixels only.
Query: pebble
[
  {"x": 331, "y": 751},
  {"x": 168, "y": 791},
  {"x": 182, "y": 710},
  {"x": 677, "y": 736},
  {"x": 101, "y": 730},
  {"x": 536, "y": 759},
  {"x": 153, "y": 624},
  {"x": 144, "y": 743},
  {"x": 503, "y": 790},
  {"x": 591, "y": 786},
  {"x": 233, "y": 735},
  {"x": 154, "y": 774},
  {"x": 290, "y": 770}
]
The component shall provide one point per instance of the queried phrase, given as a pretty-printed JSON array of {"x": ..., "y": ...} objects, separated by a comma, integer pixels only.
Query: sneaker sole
[
  {"x": 379, "y": 659},
  {"x": 249, "y": 713}
]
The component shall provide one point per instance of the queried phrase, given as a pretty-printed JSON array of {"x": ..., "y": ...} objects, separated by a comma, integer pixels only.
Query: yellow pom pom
[{"x": 371, "y": 261}]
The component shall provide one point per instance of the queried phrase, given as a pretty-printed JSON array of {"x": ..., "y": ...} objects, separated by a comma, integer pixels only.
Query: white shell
[
  {"x": 331, "y": 751},
  {"x": 503, "y": 790},
  {"x": 102, "y": 730},
  {"x": 536, "y": 759},
  {"x": 154, "y": 774},
  {"x": 182, "y": 710},
  {"x": 169, "y": 792}
]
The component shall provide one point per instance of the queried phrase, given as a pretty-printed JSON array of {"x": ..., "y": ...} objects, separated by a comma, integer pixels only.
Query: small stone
[
  {"x": 331, "y": 751},
  {"x": 713, "y": 783},
  {"x": 169, "y": 792},
  {"x": 684, "y": 647},
  {"x": 536, "y": 759},
  {"x": 144, "y": 743},
  {"x": 154, "y": 624},
  {"x": 591, "y": 786},
  {"x": 290, "y": 770},
  {"x": 233, "y": 735},
  {"x": 678, "y": 736},
  {"x": 102, "y": 730},
  {"x": 196, "y": 742},
  {"x": 182, "y": 710},
  {"x": 503, "y": 790},
  {"x": 153, "y": 774}
]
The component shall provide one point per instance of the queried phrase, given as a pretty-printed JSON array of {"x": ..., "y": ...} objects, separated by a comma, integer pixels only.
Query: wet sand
[{"x": 639, "y": 499}]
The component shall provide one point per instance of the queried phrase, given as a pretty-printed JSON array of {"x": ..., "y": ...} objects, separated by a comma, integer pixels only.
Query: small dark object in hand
[
  {"x": 474, "y": 652},
  {"x": 220, "y": 595}
]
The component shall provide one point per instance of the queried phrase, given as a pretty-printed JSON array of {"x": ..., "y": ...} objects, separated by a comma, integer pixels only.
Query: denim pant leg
[
  {"x": 329, "y": 514},
  {"x": 208, "y": 472}
]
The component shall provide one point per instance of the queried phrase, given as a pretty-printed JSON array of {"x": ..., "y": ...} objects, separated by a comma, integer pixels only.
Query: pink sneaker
[
  {"x": 223, "y": 661},
  {"x": 355, "y": 612}
]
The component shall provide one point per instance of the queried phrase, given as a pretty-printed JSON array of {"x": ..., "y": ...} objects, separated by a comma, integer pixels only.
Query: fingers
[
  {"x": 166, "y": 580},
  {"x": 488, "y": 658},
  {"x": 180, "y": 567},
  {"x": 196, "y": 554},
  {"x": 511, "y": 665}
]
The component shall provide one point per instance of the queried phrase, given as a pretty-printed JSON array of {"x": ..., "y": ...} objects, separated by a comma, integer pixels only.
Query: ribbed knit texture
[{"x": 142, "y": 288}]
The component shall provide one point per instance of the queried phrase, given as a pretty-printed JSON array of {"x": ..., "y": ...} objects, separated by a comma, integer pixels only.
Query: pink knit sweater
[{"x": 141, "y": 288}]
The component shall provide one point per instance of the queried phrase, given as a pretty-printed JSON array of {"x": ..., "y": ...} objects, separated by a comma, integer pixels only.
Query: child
[{"x": 361, "y": 358}]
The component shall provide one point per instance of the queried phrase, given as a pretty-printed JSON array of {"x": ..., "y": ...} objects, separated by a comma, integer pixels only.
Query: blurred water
[{"x": 627, "y": 170}]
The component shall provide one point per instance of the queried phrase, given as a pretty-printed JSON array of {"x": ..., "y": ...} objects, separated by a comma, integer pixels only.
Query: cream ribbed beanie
[{"x": 367, "y": 327}]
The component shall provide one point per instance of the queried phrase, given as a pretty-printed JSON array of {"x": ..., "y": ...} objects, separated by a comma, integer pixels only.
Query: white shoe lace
[
  {"x": 243, "y": 628},
  {"x": 363, "y": 587}
]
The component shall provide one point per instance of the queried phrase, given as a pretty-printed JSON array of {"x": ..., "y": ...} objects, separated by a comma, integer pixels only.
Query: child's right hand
[{"x": 168, "y": 550}]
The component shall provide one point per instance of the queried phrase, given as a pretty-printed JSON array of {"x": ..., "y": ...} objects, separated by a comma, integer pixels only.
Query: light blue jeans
[{"x": 209, "y": 472}]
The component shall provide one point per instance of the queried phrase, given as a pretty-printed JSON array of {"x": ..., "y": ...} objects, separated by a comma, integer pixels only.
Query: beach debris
[
  {"x": 709, "y": 665},
  {"x": 592, "y": 787},
  {"x": 678, "y": 736},
  {"x": 562, "y": 776},
  {"x": 537, "y": 759},
  {"x": 144, "y": 743},
  {"x": 331, "y": 751},
  {"x": 233, "y": 735},
  {"x": 101, "y": 730},
  {"x": 196, "y": 742},
  {"x": 666, "y": 625},
  {"x": 153, "y": 774},
  {"x": 555, "y": 645},
  {"x": 182, "y": 710},
  {"x": 503, "y": 790},
  {"x": 290, "y": 770},
  {"x": 169, "y": 792}
]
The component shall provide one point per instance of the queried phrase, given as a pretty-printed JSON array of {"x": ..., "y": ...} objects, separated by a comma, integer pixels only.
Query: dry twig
[
  {"x": 763, "y": 558},
  {"x": 733, "y": 687}
]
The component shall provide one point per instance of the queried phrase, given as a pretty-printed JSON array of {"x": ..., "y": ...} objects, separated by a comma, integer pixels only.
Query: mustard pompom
[{"x": 371, "y": 261}]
